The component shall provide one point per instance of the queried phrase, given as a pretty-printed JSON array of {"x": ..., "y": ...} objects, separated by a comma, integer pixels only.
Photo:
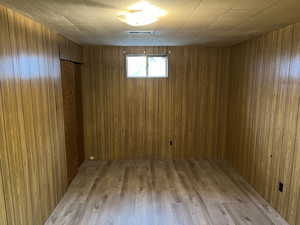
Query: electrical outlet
[
  {"x": 171, "y": 143},
  {"x": 280, "y": 187}
]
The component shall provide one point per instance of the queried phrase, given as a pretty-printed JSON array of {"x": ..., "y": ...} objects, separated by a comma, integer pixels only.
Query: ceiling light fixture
[{"x": 141, "y": 14}]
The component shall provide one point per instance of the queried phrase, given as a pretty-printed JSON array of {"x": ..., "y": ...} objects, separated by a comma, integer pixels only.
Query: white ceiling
[{"x": 211, "y": 22}]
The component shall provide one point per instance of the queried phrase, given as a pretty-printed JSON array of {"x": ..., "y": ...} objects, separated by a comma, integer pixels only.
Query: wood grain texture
[
  {"x": 263, "y": 125},
  {"x": 144, "y": 192},
  {"x": 137, "y": 118},
  {"x": 32, "y": 153},
  {"x": 3, "y": 211}
]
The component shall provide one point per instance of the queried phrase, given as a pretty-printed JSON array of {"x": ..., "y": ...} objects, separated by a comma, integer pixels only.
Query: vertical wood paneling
[
  {"x": 263, "y": 127},
  {"x": 32, "y": 153},
  {"x": 137, "y": 118},
  {"x": 3, "y": 212},
  {"x": 4, "y": 69}
]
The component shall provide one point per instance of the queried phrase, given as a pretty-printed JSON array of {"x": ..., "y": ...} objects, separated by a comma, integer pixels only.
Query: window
[{"x": 147, "y": 66}]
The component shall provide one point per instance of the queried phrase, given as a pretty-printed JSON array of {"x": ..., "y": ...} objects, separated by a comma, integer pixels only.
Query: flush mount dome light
[{"x": 141, "y": 13}]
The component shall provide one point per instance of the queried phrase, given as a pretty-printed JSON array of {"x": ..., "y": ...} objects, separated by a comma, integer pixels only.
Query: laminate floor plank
[{"x": 144, "y": 192}]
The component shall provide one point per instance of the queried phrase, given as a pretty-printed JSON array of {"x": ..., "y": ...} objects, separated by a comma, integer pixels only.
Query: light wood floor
[{"x": 161, "y": 193}]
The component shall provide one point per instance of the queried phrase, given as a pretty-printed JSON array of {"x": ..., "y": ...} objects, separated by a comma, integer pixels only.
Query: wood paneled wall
[
  {"x": 263, "y": 124},
  {"x": 32, "y": 152},
  {"x": 3, "y": 215},
  {"x": 137, "y": 118}
]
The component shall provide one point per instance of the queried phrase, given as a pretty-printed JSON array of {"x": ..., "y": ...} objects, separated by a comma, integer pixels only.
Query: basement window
[{"x": 147, "y": 66}]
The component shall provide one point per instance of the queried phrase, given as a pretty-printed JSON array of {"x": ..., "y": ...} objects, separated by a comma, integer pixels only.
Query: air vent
[{"x": 140, "y": 32}]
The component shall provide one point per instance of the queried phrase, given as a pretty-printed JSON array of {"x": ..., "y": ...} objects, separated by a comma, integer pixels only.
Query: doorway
[{"x": 72, "y": 104}]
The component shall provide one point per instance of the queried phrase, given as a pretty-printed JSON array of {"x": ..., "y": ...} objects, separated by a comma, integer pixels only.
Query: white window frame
[{"x": 147, "y": 65}]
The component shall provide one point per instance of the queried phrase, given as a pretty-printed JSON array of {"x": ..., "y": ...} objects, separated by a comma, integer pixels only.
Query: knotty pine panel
[
  {"x": 137, "y": 118},
  {"x": 263, "y": 123},
  {"x": 32, "y": 153}
]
